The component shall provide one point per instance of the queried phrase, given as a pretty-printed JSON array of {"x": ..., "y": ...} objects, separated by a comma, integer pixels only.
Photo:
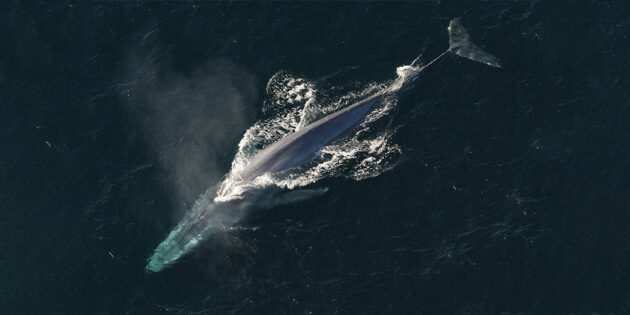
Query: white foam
[
  {"x": 293, "y": 104},
  {"x": 368, "y": 152}
]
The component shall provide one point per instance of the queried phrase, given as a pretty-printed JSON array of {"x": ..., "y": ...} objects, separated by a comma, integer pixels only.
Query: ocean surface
[{"x": 482, "y": 191}]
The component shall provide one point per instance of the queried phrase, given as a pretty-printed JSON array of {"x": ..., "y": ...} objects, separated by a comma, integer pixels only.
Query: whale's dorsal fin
[{"x": 461, "y": 45}]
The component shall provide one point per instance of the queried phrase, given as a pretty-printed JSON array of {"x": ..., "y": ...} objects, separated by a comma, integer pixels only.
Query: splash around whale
[{"x": 250, "y": 186}]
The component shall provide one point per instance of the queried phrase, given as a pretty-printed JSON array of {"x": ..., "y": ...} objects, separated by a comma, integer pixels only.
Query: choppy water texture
[{"x": 483, "y": 191}]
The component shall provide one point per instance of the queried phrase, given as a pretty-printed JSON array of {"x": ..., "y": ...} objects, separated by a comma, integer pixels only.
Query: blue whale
[{"x": 208, "y": 216}]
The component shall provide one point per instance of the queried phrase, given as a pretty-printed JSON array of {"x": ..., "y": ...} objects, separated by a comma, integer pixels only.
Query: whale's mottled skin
[
  {"x": 302, "y": 146},
  {"x": 208, "y": 217}
]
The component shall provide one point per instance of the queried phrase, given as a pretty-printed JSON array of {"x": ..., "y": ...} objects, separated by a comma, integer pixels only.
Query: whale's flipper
[
  {"x": 299, "y": 195},
  {"x": 461, "y": 45}
]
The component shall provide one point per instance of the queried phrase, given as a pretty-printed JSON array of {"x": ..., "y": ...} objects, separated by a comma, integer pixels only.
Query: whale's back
[{"x": 302, "y": 146}]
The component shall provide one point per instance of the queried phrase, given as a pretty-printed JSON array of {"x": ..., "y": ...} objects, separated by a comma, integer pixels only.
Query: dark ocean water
[{"x": 511, "y": 195}]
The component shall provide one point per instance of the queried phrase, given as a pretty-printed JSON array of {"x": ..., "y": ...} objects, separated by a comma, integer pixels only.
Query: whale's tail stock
[{"x": 461, "y": 45}]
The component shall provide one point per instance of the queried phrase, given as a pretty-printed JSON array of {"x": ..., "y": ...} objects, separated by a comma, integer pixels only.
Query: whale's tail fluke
[{"x": 461, "y": 45}]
